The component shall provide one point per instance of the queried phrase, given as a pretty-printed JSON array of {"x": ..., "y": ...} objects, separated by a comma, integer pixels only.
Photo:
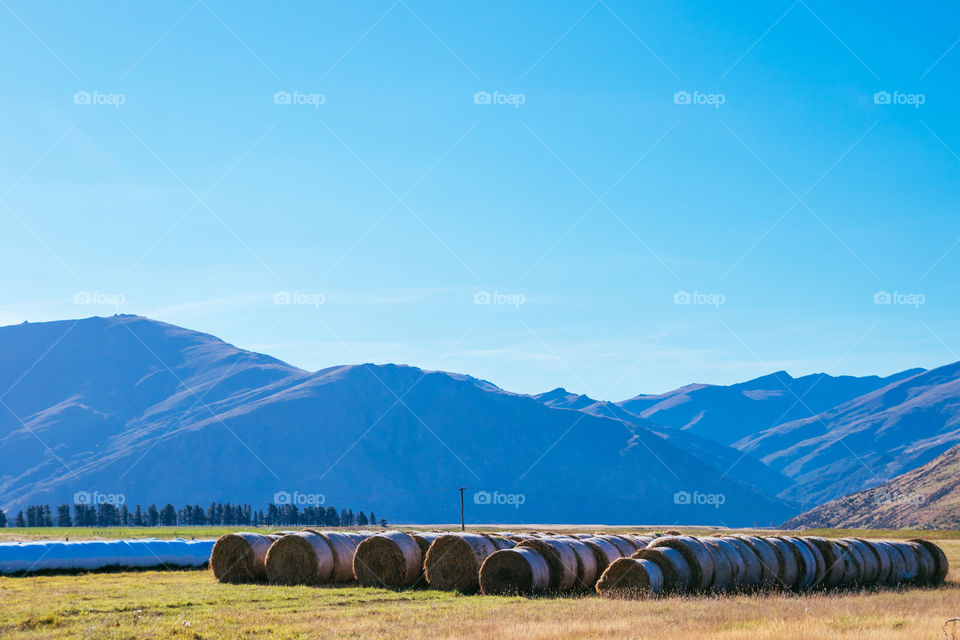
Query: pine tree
[
  {"x": 138, "y": 517},
  {"x": 333, "y": 520},
  {"x": 373, "y": 519},
  {"x": 46, "y": 516},
  {"x": 63, "y": 516},
  {"x": 168, "y": 516},
  {"x": 361, "y": 519},
  {"x": 153, "y": 516},
  {"x": 344, "y": 518},
  {"x": 3, "y": 519},
  {"x": 20, "y": 522}
]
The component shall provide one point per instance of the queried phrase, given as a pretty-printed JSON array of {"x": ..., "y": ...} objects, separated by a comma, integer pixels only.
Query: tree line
[{"x": 217, "y": 513}]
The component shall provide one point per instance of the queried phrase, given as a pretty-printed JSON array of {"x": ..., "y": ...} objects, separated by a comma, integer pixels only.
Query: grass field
[{"x": 190, "y": 604}]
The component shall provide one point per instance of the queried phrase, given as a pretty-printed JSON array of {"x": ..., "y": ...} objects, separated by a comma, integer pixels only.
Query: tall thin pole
[{"x": 463, "y": 526}]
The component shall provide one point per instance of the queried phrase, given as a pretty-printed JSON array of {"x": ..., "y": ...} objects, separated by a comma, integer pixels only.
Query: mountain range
[{"x": 158, "y": 413}]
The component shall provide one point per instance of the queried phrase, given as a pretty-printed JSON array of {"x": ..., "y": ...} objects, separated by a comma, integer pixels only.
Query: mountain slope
[
  {"x": 727, "y": 414},
  {"x": 927, "y": 497},
  {"x": 866, "y": 441},
  {"x": 159, "y": 413}
]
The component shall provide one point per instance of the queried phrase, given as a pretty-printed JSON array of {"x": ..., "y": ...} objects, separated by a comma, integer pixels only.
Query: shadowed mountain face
[
  {"x": 927, "y": 497},
  {"x": 726, "y": 414},
  {"x": 866, "y": 441},
  {"x": 160, "y": 413}
]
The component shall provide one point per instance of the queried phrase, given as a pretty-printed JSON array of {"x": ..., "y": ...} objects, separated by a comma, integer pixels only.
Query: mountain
[
  {"x": 727, "y": 414},
  {"x": 729, "y": 462},
  {"x": 866, "y": 441},
  {"x": 927, "y": 497},
  {"x": 127, "y": 405}
]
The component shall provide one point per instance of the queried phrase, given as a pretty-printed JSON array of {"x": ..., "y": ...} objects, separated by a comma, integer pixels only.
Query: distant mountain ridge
[{"x": 160, "y": 413}]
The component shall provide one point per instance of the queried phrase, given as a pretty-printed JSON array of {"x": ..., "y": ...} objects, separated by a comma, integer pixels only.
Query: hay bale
[
  {"x": 582, "y": 536},
  {"x": 832, "y": 560},
  {"x": 587, "y": 570},
  {"x": 241, "y": 557},
  {"x": 424, "y": 540},
  {"x": 520, "y": 570},
  {"x": 769, "y": 561},
  {"x": 752, "y": 571},
  {"x": 737, "y": 565},
  {"x": 391, "y": 559},
  {"x": 560, "y": 557},
  {"x": 884, "y": 567},
  {"x": 852, "y": 566},
  {"x": 894, "y": 559},
  {"x": 804, "y": 561},
  {"x": 502, "y": 543},
  {"x": 453, "y": 561},
  {"x": 786, "y": 561},
  {"x": 343, "y": 545},
  {"x": 939, "y": 558},
  {"x": 630, "y": 578},
  {"x": 696, "y": 555},
  {"x": 300, "y": 558},
  {"x": 819, "y": 564},
  {"x": 674, "y": 567},
  {"x": 630, "y": 540},
  {"x": 643, "y": 541},
  {"x": 911, "y": 561},
  {"x": 722, "y": 569},
  {"x": 604, "y": 552},
  {"x": 926, "y": 562},
  {"x": 624, "y": 547},
  {"x": 870, "y": 565}
]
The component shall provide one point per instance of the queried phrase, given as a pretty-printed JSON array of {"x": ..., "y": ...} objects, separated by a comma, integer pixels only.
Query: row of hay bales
[{"x": 621, "y": 565}]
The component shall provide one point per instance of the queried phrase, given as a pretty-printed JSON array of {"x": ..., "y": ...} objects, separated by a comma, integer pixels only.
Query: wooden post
[{"x": 463, "y": 526}]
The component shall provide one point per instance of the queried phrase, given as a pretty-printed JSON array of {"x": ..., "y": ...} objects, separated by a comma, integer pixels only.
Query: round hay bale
[
  {"x": 587, "y": 572},
  {"x": 898, "y": 567},
  {"x": 696, "y": 555},
  {"x": 737, "y": 564},
  {"x": 722, "y": 569},
  {"x": 453, "y": 561},
  {"x": 643, "y": 541},
  {"x": 424, "y": 540},
  {"x": 869, "y": 563},
  {"x": 630, "y": 578},
  {"x": 241, "y": 557},
  {"x": 391, "y": 559},
  {"x": 673, "y": 566},
  {"x": 852, "y": 564},
  {"x": 882, "y": 558},
  {"x": 769, "y": 561},
  {"x": 560, "y": 557},
  {"x": 926, "y": 561},
  {"x": 343, "y": 545},
  {"x": 832, "y": 560},
  {"x": 819, "y": 564},
  {"x": 300, "y": 558},
  {"x": 502, "y": 543},
  {"x": 806, "y": 563},
  {"x": 582, "y": 536},
  {"x": 911, "y": 561},
  {"x": 630, "y": 540},
  {"x": 625, "y": 548},
  {"x": 604, "y": 552},
  {"x": 939, "y": 558},
  {"x": 787, "y": 561},
  {"x": 752, "y": 571},
  {"x": 520, "y": 570}
]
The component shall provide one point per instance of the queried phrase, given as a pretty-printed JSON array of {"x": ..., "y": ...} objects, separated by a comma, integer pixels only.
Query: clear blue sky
[{"x": 583, "y": 195}]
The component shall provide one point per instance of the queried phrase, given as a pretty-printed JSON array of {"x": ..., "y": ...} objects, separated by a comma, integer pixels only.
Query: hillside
[
  {"x": 927, "y": 497},
  {"x": 160, "y": 413}
]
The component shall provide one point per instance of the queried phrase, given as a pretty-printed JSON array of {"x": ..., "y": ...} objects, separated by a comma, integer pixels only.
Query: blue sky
[{"x": 336, "y": 182}]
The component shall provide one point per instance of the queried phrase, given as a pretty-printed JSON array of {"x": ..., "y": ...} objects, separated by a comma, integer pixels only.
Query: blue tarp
[{"x": 97, "y": 554}]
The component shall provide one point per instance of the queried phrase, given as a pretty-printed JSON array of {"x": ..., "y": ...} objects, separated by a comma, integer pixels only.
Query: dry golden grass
[{"x": 189, "y": 604}]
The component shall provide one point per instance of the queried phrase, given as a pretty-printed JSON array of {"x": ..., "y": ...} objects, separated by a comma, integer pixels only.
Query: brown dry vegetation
[{"x": 189, "y": 604}]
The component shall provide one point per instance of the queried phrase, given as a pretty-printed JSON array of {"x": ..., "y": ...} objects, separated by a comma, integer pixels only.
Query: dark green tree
[
  {"x": 63, "y": 516},
  {"x": 20, "y": 522},
  {"x": 168, "y": 516},
  {"x": 153, "y": 516}
]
